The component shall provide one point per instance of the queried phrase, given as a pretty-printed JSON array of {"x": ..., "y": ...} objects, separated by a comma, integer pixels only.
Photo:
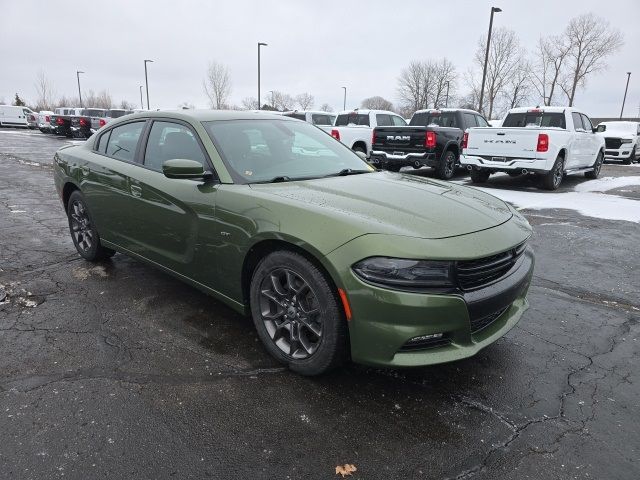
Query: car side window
[
  {"x": 383, "y": 120},
  {"x": 167, "y": 141},
  {"x": 319, "y": 119},
  {"x": 469, "y": 120},
  {"x": 577, "y": 122},
  {"x": 103, "y": 141},
  {"x": 398, "y": 121},
  {"x": 481, "y": 121},
  {"x": 123, "y": 141},
  {"x": 588, "y": 126}
]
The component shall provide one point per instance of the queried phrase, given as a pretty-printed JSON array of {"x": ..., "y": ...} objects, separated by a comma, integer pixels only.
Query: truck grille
[
  {"x": 612, "y": 142},
  {"x": 478, "y": 324},
  {"x": 473, "y": 274}
]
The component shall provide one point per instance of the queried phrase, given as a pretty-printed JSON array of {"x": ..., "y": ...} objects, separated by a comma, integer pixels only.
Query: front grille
[
  {"x": 473, "y": 274},
  {"x": 612, "y": 142},
  {"x": 478, "y": 324}
]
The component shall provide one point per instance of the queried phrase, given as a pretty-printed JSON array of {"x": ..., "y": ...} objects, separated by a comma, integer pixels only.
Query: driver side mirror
[{"x": 183, "y": 168}]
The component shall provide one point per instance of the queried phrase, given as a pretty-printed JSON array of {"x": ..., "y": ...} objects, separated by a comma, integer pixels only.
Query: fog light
[
  {"x": 421, "y": 338},
  {"x": 424, "y": 342}
]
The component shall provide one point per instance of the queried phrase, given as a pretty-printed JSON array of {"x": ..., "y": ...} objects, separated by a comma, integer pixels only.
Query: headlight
[
  {"x": 626, "y": 140},
  {"x": 406, "y": 273}
]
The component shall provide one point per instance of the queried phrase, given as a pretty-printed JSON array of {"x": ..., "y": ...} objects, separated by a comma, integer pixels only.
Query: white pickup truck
[
  {"x": 354, "y": 128},
  {"x": 549, "y": 142},
  {"x": 622, "y": 141}
]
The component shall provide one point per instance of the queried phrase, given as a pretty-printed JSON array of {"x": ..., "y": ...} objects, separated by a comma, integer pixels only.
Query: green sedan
[{"x": 332, "y": 259}]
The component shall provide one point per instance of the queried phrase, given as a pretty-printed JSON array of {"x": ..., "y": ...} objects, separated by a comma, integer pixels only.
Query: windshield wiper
[
  {"x": 347, "y": 171},
  {"x": 278, "y": 179}
]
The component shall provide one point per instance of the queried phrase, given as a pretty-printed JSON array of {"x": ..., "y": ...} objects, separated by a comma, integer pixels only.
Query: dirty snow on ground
[{"x": 589, "y": 199}]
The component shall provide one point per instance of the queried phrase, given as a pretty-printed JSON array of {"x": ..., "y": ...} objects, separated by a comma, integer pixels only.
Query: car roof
[
  {"x": 363, "y": 111},
  {"x": 545, "y": 109},
  {"x": 426, "y": 110},
  {"x": 209, "y": 115}
]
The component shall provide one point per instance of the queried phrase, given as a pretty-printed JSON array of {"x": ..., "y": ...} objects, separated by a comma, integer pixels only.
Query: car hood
[{"x": 392, "y": 203}]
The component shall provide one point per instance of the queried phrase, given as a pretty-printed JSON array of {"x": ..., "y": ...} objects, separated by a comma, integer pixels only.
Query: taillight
[
  {"x": 430, "y": 139},
  {"x": 60, "y": 121},
  {"x": 465, "y": 140},
  {"x": 543, "y": 143},
  {"x": 373, "y": 138},
  {"x": 32, "y": 118},
  {"x": 83, "y": 122},
  {"x": 102, "y": 122},
  {"x": 335, "y": 134},
  {"x": 47, "y": 118}
]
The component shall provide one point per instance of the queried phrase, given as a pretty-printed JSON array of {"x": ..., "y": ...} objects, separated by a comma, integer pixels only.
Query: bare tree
[
  {"x": 282, "y": 101},
  {"x": 550, "y": 59},
  {"x": 326, "y": 107},
  {"x": 217, "y": 85},
  {"x": 424, "y": 84},
  {"x": 444, "y": 78},
  {"x": 125, "y": 105},
  {"x": 591, "y": 41},
  {"x": 250, "y": 103},
  {"x": 44, "y": 92},
  {"x": 305, "y": 101},
  {"x": 517, "y": 91},
  {"x": 376, "y": 103},
  {"x": 505, "y": 54}
]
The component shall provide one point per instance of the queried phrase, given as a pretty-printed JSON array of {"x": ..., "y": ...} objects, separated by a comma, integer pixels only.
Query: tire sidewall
[
  {"x": 93, "y": 252},
  {"x": 333, "y": 321},
  {"x": 448, "y": 157}
]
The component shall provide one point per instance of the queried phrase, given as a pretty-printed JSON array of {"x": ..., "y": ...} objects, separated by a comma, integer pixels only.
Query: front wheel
[
  {"x": 552, "y": 179},
  {"x": 597, "y": 166},
  {"x": 83, "y": 231},
  {"x": 479, "y": 176},
  {"x": 297, "y": 314},
  {"x": 447, "y": 166}
]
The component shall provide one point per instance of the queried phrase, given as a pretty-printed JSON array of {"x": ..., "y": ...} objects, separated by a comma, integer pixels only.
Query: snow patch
[{"x": 607, "y": 183}]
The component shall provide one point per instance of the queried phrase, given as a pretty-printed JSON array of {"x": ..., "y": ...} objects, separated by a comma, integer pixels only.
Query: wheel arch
[
  {"x": 67, "y": 190},
  {"x": 451, "y": 146},
  {"x": 360, "y": 143}
]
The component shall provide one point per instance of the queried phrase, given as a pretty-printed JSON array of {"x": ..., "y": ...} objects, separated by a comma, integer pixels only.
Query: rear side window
[
  {"x": 320, "y": 119},
  {"x": 481, "y": 121},
  {"x": 352, "y": 119},
  {"x": 383, "y": 120},
  {"x": 398, "y": 121},
  {"x": 469, "y": 120},
  {"x": 535, "y": 119},
  {"x": 103, "y": 141},
  {"x": 167, "y": 141},
  {"x": 123, "y": 141}
]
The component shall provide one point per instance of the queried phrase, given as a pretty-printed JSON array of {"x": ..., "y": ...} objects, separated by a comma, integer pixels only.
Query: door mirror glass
[{"x": 182, "y": 168}]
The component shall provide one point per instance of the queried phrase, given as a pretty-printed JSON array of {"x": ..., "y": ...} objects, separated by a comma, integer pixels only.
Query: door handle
[{"x": 136, "y": 190}]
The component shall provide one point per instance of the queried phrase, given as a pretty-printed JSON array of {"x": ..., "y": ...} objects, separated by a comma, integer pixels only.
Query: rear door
[{"x": 174, "y": 218}]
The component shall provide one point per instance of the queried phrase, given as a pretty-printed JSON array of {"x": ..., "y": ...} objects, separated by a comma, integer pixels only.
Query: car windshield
[
  {"x": 444, "y": 119},
  {"x": 280, "y": 150},
  {"x": 535, "y": 119},
  {"x": 619, "y": 127}
]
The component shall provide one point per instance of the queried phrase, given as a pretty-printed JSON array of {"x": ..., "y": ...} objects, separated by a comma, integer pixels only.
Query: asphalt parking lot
[{"x": 117, "y": 370}]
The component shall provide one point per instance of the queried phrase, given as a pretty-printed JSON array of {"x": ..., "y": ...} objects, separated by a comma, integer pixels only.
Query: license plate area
[
  {"x": 499, "y": 159},
  {"x": 398, "y": 153}
]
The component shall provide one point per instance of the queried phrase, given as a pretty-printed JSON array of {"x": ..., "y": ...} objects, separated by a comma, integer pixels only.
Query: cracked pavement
[{"x": 117, "y": 370}]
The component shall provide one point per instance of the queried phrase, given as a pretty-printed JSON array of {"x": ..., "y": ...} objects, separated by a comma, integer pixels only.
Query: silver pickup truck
[{"x": 101, "y": 121}]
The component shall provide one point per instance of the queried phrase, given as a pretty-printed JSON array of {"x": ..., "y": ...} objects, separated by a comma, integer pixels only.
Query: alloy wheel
[
  {"x": 81, "y": 227},
  {"x": 449, "y": 164},
  {"x": 558, "y": 174},
  {"x": 290, "y": 311}
]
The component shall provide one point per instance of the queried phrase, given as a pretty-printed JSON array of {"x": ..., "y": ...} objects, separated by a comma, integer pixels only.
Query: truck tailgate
[
  {"x": 399, "y": 140},
  {"x": 502, "y": 142}
]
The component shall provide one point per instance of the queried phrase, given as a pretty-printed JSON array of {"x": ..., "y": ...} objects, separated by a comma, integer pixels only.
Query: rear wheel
[
  {"x": 297, "y": 314},
  {"x": 479, "y": 176},
  {"x": 359, "y": 148},
  {"x": 447, "y": 166},
  {"x": 552, "y": 179},
  {"x": 83, "y": 231},
  {"x": 596, "y": 167}
]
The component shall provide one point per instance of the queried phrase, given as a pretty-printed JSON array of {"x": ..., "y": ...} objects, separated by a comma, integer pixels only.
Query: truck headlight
[
  {"x": 626, "y": 140},
  {"x": 406, "y": 273}
]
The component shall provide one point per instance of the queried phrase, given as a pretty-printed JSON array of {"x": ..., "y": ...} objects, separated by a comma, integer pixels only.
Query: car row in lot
[
  {"x": 78, "y": 122},
  {"x": 330, "y": 257}
]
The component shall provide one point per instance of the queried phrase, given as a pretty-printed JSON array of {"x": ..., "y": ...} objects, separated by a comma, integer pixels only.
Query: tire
[
  {"x": 596, "y": 167},
  {"x": 359, "y": 149},
  {"x": 632, "y": 157},
  {"x": 552, "y": 179},
  {"x": 479, "y": 176},
  {"x": 285, "y": 288},
  {"x": 447, "y": 165},
  {"x": 83, "y": 231},
  {"x": 514, "y": 174}
]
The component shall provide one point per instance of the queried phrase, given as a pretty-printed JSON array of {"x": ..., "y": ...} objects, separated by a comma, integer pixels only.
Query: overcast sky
[{"x": 314, "y": 46}]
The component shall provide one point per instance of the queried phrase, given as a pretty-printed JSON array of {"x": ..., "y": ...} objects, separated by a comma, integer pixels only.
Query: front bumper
[
  {"x": 385, "y": 320},
  {"x": 622, "y": 153},
  {"x": 536, "y": 165},
  {"x": 384, "y": 159}
]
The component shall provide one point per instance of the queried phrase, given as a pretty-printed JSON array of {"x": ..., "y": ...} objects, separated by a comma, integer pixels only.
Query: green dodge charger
[{"x": 332, "y": 259}]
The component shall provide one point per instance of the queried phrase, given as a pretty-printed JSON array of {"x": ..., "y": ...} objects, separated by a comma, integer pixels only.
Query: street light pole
[
  {"x": 141, "y": 101},
  {"x": 446, "y": 102},
  {"x": 78, "y": 72},
  {"x": 146, "y": 80},
  {"x": 344, "y": 102},
  {"x": 625, "y": 94},
  {"x": 260, "y": 44},
  {"x": 271, "y": 92},
  {"x": 486, "y": 56}
]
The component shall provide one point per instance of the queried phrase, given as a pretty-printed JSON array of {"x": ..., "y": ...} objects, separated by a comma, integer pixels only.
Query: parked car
[
  {"x": 61, "y": 120},
  {"x": 549, "y": 142},
  {"x": 15, "y": 116},
  {"x": 331, "y": 258},
  {"x": 44, "y": 121},
  {"x": 99, "y": 122},
  {"x": 32, "y": 120},
  {"x": 621, "y": 141},
  {"x": 495, "y": 123},
  {"x": 315, "y": 117},
  {"x": 432, "y": 139},
  {"x": 81, "y": 125},
  {"x": 354, "y": 127}
]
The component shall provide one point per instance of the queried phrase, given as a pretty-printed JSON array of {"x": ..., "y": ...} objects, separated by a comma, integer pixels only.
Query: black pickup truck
[
  {"x": 60, "y": 121},
  {"x": 81, "y": 124},
  {"x": 432, "y": 139}
]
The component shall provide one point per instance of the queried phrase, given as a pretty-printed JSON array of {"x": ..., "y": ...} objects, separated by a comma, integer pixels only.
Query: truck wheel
[
  {"x": 632, "y": 157},
  {"x": 447, "y": 166},
  {"x": 358, "y": 148},
  {"x": 552, "y": 179},
  {"x": 479, "y": 176},
  {"x": 596, "y": 167}
]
